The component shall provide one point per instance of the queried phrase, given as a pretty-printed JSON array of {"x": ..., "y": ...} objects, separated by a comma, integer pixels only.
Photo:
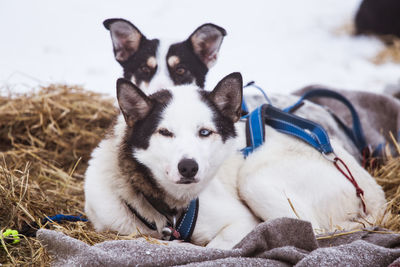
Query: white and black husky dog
[
  {"x": 153, "y": 64},
  {"x": 183, "y": 142}
]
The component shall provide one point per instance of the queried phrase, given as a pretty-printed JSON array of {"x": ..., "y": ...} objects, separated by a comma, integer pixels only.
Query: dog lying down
[{"x": 175, "y": 145}]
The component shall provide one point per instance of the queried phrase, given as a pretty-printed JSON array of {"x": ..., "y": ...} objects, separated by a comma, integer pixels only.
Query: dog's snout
[{"x": 188, "y": 168}]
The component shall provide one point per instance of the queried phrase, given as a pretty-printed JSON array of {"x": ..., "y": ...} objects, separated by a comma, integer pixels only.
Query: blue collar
[{"x": 183, "y": 229}]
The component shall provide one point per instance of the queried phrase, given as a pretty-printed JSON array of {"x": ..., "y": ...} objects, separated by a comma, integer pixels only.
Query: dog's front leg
[{"x": 232, "y": 234}]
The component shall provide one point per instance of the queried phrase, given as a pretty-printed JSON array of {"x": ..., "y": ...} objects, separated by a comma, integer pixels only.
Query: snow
[{"x": 282, "y": 45}]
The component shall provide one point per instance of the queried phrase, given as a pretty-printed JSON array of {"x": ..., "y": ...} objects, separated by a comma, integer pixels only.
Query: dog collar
[{"x": 181, "y": 229}]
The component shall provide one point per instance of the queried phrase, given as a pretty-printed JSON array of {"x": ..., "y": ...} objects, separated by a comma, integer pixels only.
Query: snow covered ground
[{"x": 282, "y": 45}]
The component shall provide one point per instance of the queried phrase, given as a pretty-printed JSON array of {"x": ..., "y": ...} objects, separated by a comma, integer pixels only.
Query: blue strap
[
  {"x": 355, "y": 133},
  {"x": 188, "y": 222},
  {"x": 306, "y": 130},
  {"x": 253, "y": 84},
  {"x": 255, "y": 130},
  {"x": 310, "y": 132},
  {"x": 61, "y": 217},
  {"x": 245, "y": 108}
]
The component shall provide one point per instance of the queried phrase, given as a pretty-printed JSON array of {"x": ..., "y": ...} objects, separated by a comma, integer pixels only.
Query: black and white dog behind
[
  {"x": 153, "y": 64},
  {"x": 180, "y": 143}
]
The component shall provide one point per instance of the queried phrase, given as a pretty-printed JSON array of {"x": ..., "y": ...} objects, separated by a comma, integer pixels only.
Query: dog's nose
[{"x": 188, "y": 168}]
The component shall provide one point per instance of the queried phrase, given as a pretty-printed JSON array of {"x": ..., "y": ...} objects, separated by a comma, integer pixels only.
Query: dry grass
[
  {"x": 45, "y": 142},
  {"x": 388, "y": 176}
]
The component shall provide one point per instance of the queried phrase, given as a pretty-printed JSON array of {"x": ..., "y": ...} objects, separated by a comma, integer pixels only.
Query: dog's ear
[
  {"x": 227, "y": 96},
  {"x": 125, "y": 38},
  {"x": 206, "y": 41},
  {"x": 134, "y": 104}
]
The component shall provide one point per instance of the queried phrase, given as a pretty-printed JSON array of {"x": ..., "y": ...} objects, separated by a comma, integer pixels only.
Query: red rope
[
  {"x": 349, "y": 176},
  {"x": 366, "y": 157}
]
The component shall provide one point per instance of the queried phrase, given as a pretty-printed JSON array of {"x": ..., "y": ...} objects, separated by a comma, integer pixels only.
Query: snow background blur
[{"x": 282, "y": 45}]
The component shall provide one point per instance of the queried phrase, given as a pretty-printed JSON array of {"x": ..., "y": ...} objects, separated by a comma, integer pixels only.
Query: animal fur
[{"x": 139, "y": 160}]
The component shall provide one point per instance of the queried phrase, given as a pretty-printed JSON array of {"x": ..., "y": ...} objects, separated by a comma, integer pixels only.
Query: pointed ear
[
  {"x": 206, "y": 41},
  {"x": 227, "y": 96},
  {"x": 125, "y": 38},
  {"x": 134, "y": 104}
]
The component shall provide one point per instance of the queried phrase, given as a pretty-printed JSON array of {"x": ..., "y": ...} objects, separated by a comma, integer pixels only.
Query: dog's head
[
  {"x": 183, "y": 134},
  {"x": 153, "y": 64}
]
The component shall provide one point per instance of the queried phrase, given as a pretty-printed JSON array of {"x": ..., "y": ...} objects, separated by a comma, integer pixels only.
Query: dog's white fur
[{"x": 235, "y": 194}]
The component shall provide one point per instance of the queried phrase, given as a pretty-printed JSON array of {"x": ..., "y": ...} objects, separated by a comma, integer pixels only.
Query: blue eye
[{"x": 204, "y": 133}]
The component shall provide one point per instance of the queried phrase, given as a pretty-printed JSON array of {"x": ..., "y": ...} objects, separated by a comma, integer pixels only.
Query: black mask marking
[
  {"x": 136, "y": 65},
  {"x": 194, "y": 69},
  {"x": 139, "y": 135}
]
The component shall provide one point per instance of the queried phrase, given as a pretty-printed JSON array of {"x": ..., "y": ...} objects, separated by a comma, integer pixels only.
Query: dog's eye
[
  {"x": 165, "y": 132},
  {"x": 205, "y": 133},
  {"x": 145, "y": 69},
  {"x": 180, "y": 70}
]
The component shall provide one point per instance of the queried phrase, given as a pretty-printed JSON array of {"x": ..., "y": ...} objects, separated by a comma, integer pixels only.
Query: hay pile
[{"x": 45, "y": 141}]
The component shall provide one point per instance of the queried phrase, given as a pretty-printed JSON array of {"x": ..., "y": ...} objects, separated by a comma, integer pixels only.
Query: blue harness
[
  {"x": 306, "y": 130},
  {"x": 287, "y": 123},
  {"x": 355, "y": 133}
]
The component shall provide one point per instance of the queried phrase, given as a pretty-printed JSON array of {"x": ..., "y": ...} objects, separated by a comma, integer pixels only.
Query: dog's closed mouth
[{"x": 187, "y": 181}]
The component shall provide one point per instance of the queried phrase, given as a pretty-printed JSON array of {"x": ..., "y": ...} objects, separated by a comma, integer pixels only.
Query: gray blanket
[{"x": 279, "y": 242}]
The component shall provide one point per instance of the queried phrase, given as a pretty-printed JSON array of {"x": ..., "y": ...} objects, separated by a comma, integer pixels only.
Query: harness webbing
[
  {"x": 254, "y": 130},
  {"x": 306, "y": 130},
  {"x": 356, "y": 133}
]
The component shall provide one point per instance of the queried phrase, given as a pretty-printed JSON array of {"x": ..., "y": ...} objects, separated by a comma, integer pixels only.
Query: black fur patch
[
  {"x": 139, "y": 135},
  {"x": 136, "y": 64},
  {"x": 140, "y": 176},
  {"x": 195, "y": 70},
  {"x": 225, "y": 126}
]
